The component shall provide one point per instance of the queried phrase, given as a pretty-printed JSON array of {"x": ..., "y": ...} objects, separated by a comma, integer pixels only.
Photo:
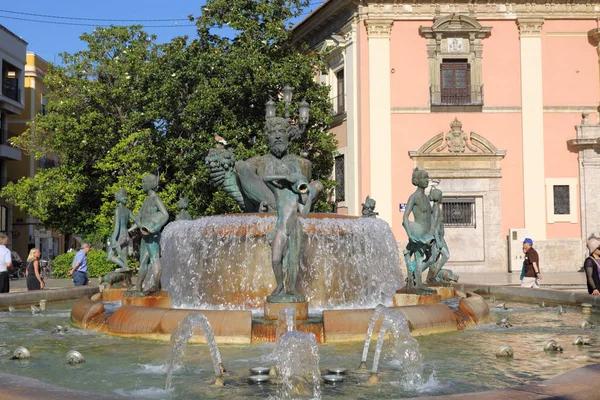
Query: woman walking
[
  {"x": 34, "y": 279},
  {"x": 592, "y": 266}
]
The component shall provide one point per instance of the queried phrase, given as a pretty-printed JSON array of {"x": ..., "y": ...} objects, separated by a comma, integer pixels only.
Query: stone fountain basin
[{"x": 151, "y": 317}]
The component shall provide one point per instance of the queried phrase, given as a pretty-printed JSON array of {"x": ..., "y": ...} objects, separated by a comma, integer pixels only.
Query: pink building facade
[{"x": 497, "y": 101}]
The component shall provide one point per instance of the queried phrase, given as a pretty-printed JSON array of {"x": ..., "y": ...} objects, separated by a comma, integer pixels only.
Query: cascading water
[
  {"x": 225, "y": 261},
  {"x": 298, "y": 366},
  {"x": 374, "y": 317},
  {"x": 404, "y": 354},
  {"x": 182, "y": 334},
  {"x": 286, "y": 322}
]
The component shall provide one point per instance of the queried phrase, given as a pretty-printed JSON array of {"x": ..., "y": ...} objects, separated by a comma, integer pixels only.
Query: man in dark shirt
[{"x": 532, "y": 266}]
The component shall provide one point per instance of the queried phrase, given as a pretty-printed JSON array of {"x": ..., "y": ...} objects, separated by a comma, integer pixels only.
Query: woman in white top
[{"x": 5, "y": 264}]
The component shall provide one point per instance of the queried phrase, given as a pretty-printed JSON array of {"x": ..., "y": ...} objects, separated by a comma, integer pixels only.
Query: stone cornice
[
  {"x": 379, "y": 28},
  {"x": 530, "y": 27},
  {"x": 582, "y": 144},
  {"x": 321, "y": 17}
]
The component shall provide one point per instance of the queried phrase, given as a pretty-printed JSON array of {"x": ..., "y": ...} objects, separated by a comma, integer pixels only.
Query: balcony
[
  {"x": 10, "y": 89},
  {"x": 456, "y": 98}
]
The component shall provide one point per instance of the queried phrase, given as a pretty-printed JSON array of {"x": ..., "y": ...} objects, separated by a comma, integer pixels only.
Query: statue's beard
[{"x": 278, "y": 149}]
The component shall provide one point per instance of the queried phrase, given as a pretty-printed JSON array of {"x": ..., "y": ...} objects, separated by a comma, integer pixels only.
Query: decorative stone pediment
[
  {"x": 453, "y": 24},
  {"x": 457, "y": 141},
  {"x": 456, "y": 154}
]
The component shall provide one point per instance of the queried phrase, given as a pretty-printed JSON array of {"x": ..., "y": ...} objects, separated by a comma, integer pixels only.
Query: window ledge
[
  {"x": 457, "y": 108},
  {"x": 338, "y": 119}
]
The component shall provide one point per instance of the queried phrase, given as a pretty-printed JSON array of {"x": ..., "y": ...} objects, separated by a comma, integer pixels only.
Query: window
[
  {"x": 561, "y": 200},
  {"x": 340, "y": 190},
  {"x": 455, "y": 53},
  {"x": 43, "y": 109},
  {"x": 459, "y": 212},
  {"x": 456, "y": 82},
  {"x": 340, "y": 102}
]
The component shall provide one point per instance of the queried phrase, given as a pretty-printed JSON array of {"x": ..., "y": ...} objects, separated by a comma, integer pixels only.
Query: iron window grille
[
  {"x": 562, "y": 205},
  {"x": 459, "y": 212}
]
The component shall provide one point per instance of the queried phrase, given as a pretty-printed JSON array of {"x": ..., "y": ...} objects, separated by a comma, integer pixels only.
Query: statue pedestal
[
  {"x": 159, "y": 299},
  {"x": 272, "y": 310},
  {"x": 409, "y": 299},
  {"x": 445, "y": 292}
]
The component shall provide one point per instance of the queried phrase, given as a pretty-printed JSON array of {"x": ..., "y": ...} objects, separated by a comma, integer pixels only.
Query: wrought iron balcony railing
[
  {"x": 469, "y": 96},
  {"x": 10, "y": 89}
]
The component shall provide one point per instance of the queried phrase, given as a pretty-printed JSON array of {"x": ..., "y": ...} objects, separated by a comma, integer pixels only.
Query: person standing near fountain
[
  {"x": 532, "y": 266},
  {"x": 79, "y": 269},
  {"x": 421, "y": 251},
  {"x": 5, "y": 264},
  {"x": 592, "y": 266},
  {"x": 152, "y": 218},
  {"x": 119, "y": 241},
  {"x": 34, "y": 279}
]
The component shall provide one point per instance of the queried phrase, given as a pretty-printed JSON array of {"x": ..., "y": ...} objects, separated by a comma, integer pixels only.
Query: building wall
[{"x": 539, "y": 71}]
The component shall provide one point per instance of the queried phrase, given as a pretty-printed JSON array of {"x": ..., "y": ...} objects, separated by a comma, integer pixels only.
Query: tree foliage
[{"x": 126, "y": 106}]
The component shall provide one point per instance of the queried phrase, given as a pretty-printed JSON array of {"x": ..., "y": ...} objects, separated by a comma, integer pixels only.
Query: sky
[{"x": 56, "y": 35}]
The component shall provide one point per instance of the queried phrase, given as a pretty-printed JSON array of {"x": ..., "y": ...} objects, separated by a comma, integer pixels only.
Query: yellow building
[{"x": 27, "y": 232}]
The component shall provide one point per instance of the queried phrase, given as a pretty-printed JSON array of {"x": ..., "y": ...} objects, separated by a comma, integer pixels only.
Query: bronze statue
[
  {"x": 152, "y": 218},
  {"x": 293, "y": 193},
  {"x": 437, "y": 227},
  {"x": 182, "y": 206},
  {"x": 119, "y": 240},
  {"x": 242, "y": 180},
  {"x": 368, "y": 208},
  {"x": 277, "y": 181},
  {"x": 421, "y": 251}
]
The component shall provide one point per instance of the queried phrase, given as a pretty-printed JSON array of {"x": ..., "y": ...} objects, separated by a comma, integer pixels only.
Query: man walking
[
  {"x": 79, "y": 269},
  {"x": 531, "y": 265},
  {"x": 5, "y": 264}
]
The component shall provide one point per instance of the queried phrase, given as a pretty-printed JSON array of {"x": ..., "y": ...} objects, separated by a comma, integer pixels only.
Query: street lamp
[
  {"x": 270, "y": 109},
  {"x": 303, "y": 110},
  {"x": 287, "y": 98}
]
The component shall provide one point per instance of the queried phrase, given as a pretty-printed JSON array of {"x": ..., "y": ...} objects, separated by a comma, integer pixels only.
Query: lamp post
[
  {"x": 287, "y": 98},
  {"x": 270, "y": 109}
]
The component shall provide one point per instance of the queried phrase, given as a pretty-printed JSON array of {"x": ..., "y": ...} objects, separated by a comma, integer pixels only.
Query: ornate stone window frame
[
  {"x": 456, "y": 37},
  {"x": 335, "y": 60},
  {"x": 572, "y": 215}
]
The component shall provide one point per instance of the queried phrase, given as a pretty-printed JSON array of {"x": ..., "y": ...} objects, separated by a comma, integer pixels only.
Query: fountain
[
  {"x": 180, "y": 338},
  {"x": 298, "y": 366}
]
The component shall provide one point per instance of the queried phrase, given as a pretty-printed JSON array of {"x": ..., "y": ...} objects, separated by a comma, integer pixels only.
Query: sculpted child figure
[
  {"x": 437, "y": 228},
  {"x": 421, "y": 251},
  {"x": 152, "y": 218},
  {"x": 119, "y": 240}
]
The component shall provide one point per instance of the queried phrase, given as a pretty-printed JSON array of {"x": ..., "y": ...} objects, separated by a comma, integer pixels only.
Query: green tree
[{"x": 126, "y": 106}]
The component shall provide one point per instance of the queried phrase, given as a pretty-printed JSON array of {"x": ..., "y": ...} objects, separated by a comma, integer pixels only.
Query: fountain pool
[{"x": 458, "y": 362}]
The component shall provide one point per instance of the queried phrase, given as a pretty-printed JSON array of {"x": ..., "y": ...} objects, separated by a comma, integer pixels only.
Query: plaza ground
[{"x": 573, "y": 281}]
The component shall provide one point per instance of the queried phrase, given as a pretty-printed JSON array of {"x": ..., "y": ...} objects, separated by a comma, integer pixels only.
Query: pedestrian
[
  {"x": 532, "y": 266},
  {"x": 79, "y": 268},
  {"x": 592, "y": 266},
  {"x": 5, "y": 264},
  {"x": 34, "y": 278}
]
